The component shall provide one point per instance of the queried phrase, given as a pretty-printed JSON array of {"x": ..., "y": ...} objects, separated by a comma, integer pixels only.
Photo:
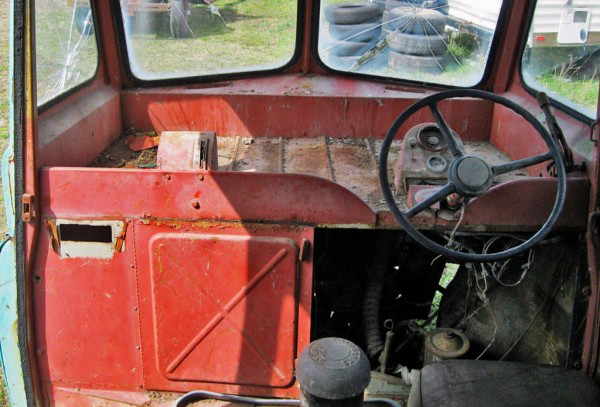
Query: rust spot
[
  {"x": 121, "y": 237},
  {"x": 52, "y": 230}
]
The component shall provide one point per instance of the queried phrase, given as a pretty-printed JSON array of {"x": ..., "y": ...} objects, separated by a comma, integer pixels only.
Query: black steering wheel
[{"x": 470, "y": 176}]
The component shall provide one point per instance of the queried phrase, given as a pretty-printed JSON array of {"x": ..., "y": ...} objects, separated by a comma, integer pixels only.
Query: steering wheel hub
[{"x": 471, "y": 176}]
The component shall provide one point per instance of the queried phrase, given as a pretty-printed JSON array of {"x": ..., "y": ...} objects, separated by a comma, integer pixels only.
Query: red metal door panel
[
  {"x": 220, "y": 306},
  {"x": 86, "y": 319}
]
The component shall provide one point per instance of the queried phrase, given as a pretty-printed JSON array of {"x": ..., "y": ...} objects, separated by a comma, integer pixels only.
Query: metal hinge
[{"x": 27, "y": 208}]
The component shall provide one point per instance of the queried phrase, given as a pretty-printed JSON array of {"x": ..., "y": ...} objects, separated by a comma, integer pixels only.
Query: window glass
[
  {"x": 437, "y": 41},
  {"x": 66, "y": 48},
  {"x": 562, "y": 54},
  {"x": 186, "y": 38}
]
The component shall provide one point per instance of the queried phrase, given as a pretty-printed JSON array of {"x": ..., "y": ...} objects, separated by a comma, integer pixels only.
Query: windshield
[
  {"x": 437, "y": 41},
  {"x": 184, "y": 38}
]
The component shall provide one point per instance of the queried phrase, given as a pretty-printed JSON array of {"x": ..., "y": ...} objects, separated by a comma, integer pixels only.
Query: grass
[
  {"x": 581, "y": 92},
  {"x": 447, "y": 276},
  {"x": 462, "y": 46}
]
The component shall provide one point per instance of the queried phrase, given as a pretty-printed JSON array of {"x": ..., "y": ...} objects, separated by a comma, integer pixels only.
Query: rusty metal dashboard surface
[{"x": 351, "y": 163}]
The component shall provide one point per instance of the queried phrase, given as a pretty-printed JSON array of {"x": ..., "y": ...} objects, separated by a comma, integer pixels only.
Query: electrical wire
[
  {"x": 493, "y": 335},
  {"x": 504, "y": 264}
]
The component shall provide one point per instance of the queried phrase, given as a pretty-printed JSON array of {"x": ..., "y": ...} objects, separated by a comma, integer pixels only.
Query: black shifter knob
[{"x": 333, "y": 372}]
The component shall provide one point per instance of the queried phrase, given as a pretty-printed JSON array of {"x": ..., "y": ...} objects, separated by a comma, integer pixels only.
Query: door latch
[{"x": 27, "y": 214}]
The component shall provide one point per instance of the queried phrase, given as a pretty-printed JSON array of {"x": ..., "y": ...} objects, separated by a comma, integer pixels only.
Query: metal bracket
[
  {"x": 53, "y": 231},
  {"x": 187, "y": 150},
  {"x": 27, "y": 214},
  {"x": 121, "y": 238}
]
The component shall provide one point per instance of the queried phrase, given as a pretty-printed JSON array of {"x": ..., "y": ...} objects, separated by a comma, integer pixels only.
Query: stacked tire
[
  {"x": 438, "y": 5},
  {"x": 392, "y": 23},
  {"x": 353, "y": 27},
  {"x": 417, "y": 41}
]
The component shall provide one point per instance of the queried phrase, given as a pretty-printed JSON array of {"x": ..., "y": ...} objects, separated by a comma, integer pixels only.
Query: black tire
[
  {"x": 355, "y": 32},
  {"x": 350, "y": 48},
  {"x": 439, "y": 5},
  {"x": 351, "y": 12},
  {"x": 426, "y": 45},
  {"x": 84, "y": 21},
  {"x": 414, "y": 21},
  {"x": 403, "y": 62},
  {"x": 178, "y": 20},
  {"x": 390, "y": 4}
]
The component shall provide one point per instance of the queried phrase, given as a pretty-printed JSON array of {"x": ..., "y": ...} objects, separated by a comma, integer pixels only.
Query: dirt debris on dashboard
[{"x": 120, "y": 155}]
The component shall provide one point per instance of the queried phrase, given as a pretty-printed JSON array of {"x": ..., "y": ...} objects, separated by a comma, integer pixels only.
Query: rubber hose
[
  {"x": 4, "y": 243},
  {"x": 371, "y": 303},
  {"x": 372, "y": 298}
]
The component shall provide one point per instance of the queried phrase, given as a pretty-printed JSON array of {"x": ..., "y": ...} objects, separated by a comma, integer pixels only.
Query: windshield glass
[
  {"x": 562, "y": 53},
  {"x": 186, "y": 38},
  {"x": 436, "y": 41}
]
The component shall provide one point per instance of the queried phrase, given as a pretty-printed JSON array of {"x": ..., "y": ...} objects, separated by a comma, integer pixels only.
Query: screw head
[
  {"x": 167, "y": 176},
  {"x": 195, "y": 204}
]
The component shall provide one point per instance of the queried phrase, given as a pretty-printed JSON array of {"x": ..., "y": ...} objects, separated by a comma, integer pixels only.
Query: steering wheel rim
[{"x": 400, "y": 216}]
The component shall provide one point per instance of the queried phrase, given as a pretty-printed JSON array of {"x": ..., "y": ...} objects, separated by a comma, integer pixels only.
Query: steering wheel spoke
[
  {"x": 430, "y": 200},
  {"x": 453, "y": 145},
  {"x": 520, "y": 164}
]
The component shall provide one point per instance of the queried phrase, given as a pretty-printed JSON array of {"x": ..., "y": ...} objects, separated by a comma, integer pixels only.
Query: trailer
[{"x": 557, "y": 22}]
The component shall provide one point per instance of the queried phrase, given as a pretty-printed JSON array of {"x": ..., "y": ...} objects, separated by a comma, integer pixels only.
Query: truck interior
[{"x": 408, "y": 176}]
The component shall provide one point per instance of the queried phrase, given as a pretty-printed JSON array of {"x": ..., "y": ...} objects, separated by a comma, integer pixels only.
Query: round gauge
[
  {"x": 431, "y": 139},
  {"x": 437, "y": 164}
]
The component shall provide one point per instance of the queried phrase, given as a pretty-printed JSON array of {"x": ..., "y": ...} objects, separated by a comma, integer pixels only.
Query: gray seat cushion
[{"x": 464, "y": 383}]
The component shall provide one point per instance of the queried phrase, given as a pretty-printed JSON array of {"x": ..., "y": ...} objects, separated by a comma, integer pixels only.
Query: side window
[
  {"x": 562, "y": 54},
  {"x": 66, "y": 47}
]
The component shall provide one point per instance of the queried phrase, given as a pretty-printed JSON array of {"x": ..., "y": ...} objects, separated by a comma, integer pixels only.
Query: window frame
[
  {"x": 533, "y": 92},
  {"x": 199, "y": 79},
  {"x": 487, "y": 72},
  {"x": 59, "y": 98}
]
